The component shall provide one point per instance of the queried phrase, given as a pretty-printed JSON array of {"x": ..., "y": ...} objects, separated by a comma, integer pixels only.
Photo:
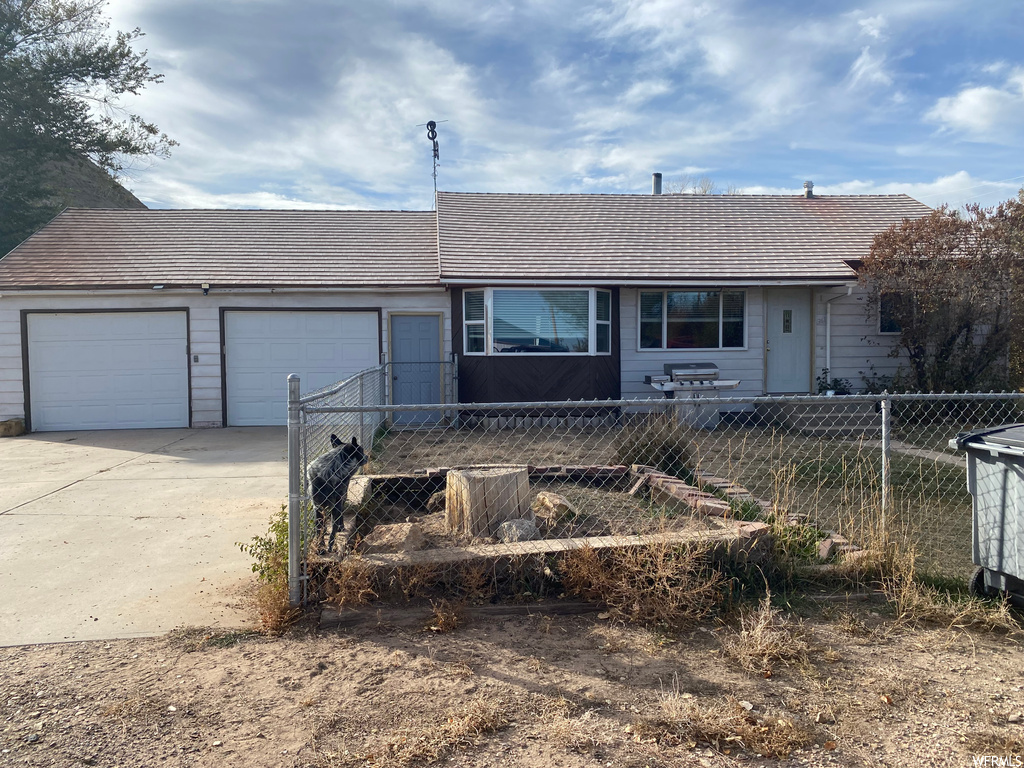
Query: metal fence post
[
  {"x": 294, "y": 490},
  {"x": 886, "y": 453},
  {"x": 362, "y": 416}
]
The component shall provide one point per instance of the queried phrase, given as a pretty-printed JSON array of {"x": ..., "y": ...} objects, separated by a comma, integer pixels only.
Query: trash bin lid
[{"x": 1008, "y": 436}]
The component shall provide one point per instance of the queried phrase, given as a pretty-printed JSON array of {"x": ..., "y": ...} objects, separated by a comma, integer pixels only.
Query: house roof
[
  {"x": 474, "y": 238},
  {"x": 84, "y": 248},
  {"x": 670, "y": 238}
]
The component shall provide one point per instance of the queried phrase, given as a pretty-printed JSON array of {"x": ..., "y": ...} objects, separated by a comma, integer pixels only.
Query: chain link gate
[{"x": 447, "y": 480}]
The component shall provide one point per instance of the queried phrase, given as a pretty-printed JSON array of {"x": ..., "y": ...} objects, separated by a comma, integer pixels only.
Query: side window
[{"x": 890, "y": 306}]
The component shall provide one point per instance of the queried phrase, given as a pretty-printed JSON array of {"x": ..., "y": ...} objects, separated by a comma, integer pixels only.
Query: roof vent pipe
[
  {"x": 808, "y": 189},
  {"x": 655, "y": 183}
]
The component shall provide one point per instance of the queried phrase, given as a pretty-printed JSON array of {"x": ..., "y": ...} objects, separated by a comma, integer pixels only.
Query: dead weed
[
  {"x": 724, "y": 723},
  {"x": 655, "y": 584},
  {"x": 766, "y": 636},
  {"x": 458, "y": 729}
]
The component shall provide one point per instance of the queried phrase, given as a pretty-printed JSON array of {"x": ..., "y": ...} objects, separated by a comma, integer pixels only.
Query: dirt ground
[{"x": 527, "y": 691}]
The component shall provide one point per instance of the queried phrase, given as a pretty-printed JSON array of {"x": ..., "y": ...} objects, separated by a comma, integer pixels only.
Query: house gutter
[
  {"x": 828, "y": 327},
  {"x": 825, "y": 282},
  {"x": 179, "y": 290}
]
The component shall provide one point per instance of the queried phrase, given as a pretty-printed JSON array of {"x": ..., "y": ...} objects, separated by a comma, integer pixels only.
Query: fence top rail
[
  {"x": 575, "y": 405},
  {"x": 334, "y": 389}
]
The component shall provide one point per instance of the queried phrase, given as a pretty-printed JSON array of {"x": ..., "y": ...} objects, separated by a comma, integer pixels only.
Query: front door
[
  {"x": 416, "y": 370},
  {"x": 788, "y": 340}
]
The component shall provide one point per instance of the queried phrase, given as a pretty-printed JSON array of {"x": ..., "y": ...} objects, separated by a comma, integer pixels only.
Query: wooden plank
[{"x": 553, "y": 546}]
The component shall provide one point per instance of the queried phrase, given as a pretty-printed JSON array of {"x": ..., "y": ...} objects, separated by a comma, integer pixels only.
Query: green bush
[{"x": 270, "y": 552}]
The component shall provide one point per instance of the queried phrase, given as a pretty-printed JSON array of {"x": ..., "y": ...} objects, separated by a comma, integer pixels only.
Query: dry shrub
[
  {"x": 673, "y": 586},
  {"x": 915, "y": 602},
  {"x": 274, "y": 613},
  {"x": 459, "y": 728},
  {"x": 994, "y": 743},
  {"x": 766, "y": 636},
  {"x": 567, "y": 726},
  {"x": 446, "y": 615},
  {"x": 724, "y": 723},
  {"x": 657, "y": 440},
  {"x": 350, "y": 583},
  {"x": 421, "y": 580}
]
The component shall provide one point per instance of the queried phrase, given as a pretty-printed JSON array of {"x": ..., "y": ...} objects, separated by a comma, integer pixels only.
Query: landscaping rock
[
  {"x": 517, "y": 530},
  {"x": 436, "y": 503},
  {"x": 12, "y": 427},
  {"x": 396, "y": 537},
  {"x": 826, "y": 549},
  {"x": 552, "y": 507}
]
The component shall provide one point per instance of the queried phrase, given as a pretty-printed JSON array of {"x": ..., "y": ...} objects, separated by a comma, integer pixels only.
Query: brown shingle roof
[
  {"x": 117, "y": 248},
  {"x": 490, "y": 237}
]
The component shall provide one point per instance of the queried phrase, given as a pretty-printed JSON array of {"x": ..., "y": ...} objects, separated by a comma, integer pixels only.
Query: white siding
[
  {"x": 746, "y": 364},
  {"x": 204, "y": 329},
  {"x": 858, "y": 350}
]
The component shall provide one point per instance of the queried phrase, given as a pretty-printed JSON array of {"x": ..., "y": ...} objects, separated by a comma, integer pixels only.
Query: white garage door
[
  {"x": 116, "y": 370},
  {"x": 262, "y": 348}
]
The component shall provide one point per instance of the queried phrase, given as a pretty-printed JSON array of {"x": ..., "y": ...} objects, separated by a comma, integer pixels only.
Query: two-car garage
[{"x": 131, "y": 369}]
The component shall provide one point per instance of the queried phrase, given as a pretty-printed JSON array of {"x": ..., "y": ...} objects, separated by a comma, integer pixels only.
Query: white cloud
[
  {"x": 869, "y": 69},
  {"x": 984, "y": 112},
  {"x": 956, "y": 189},
  {"x": 873, "y": 26}
]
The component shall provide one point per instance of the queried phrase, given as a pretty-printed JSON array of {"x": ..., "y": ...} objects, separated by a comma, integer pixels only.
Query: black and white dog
[{"x": 328, "y": 476}]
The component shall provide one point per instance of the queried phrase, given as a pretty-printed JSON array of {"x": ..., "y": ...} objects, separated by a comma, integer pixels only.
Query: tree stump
[{"x": 477, "y": 501}]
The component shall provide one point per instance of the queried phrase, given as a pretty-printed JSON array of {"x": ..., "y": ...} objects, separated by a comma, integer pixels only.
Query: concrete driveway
[{"x": 109, "y": 534}]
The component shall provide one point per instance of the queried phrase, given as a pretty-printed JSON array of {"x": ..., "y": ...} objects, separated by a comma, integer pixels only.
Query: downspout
[{"x": 828, "y": 327}]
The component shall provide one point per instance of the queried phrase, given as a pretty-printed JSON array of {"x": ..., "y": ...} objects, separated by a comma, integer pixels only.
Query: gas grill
[{"x": 691, "y": 380}]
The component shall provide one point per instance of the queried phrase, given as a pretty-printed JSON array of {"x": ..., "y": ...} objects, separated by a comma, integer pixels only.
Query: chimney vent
[
  {"x": 808, "y": 189},
  {"x": 655, "y": 183}
]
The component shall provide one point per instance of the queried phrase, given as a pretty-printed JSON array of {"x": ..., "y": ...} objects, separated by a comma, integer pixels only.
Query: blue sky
[{"x": 319, "y": 104}]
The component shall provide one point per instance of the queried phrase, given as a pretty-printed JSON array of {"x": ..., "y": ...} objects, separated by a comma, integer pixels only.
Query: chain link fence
[{"x": 447, "y": 481}]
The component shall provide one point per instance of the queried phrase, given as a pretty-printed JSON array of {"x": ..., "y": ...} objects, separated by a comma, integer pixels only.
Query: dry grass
[
  {"x": 274, "y": 614},
  {"x": 350, "y": 583},
  {"x": 996, "y": 744},
  {"x": 568, "y": 726},
  {"x": 726, "y": 724},
  {"x": 656, "y": 584},
  {"x": 446, "y": 615},
  {"x": 915, "y": 603},
  {"x": 457, "y": 730},
  {"x": 766, "y": 637}
]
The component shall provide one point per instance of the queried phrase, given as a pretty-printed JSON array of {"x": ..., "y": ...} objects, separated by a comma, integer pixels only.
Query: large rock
[
  {"x": 552, "y": 508},
  {"x": 396, "y": 537},
  {"x": 517, "y": 530}
]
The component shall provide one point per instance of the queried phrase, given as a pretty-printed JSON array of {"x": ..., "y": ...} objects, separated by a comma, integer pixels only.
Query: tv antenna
[{"x": 431, "y": 127}]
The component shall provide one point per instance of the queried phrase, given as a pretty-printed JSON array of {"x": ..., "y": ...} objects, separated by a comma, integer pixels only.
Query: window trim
[
  {"x": 488, "y": 322},
  {"x": 664, "y": 320}
]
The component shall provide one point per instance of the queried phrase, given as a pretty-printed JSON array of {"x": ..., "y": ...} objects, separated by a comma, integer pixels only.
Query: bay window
[
  {"x": 692, "y": 319},
  {"x": 555, "y": 321}
]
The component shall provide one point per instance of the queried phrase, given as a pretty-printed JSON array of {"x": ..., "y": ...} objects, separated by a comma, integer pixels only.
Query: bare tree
[{"x": 688, "y": 184}]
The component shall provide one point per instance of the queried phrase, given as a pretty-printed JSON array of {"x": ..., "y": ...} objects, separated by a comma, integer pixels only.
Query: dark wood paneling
[{"x": 515, "y": 378}]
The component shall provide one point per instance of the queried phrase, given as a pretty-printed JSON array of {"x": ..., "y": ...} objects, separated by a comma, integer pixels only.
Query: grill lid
[{"x": 691, "y": 371}]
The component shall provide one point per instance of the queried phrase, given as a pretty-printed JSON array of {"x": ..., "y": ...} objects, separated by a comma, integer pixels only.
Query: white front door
[
  {"x": 107, "y": 370},
  {"x": 788, "y": 340},
  {"x": 261, "y": 348}
]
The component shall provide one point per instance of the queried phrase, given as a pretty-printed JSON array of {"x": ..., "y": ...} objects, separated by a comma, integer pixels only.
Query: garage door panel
[
  {"x": 117, "y": 370},
  {"x": 262, "y": 348}
]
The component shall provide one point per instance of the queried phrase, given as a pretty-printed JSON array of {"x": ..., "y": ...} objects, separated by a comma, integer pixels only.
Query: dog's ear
[
  {"x": 355, "y": 442},
  {"x": 335, "y": 441}
]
